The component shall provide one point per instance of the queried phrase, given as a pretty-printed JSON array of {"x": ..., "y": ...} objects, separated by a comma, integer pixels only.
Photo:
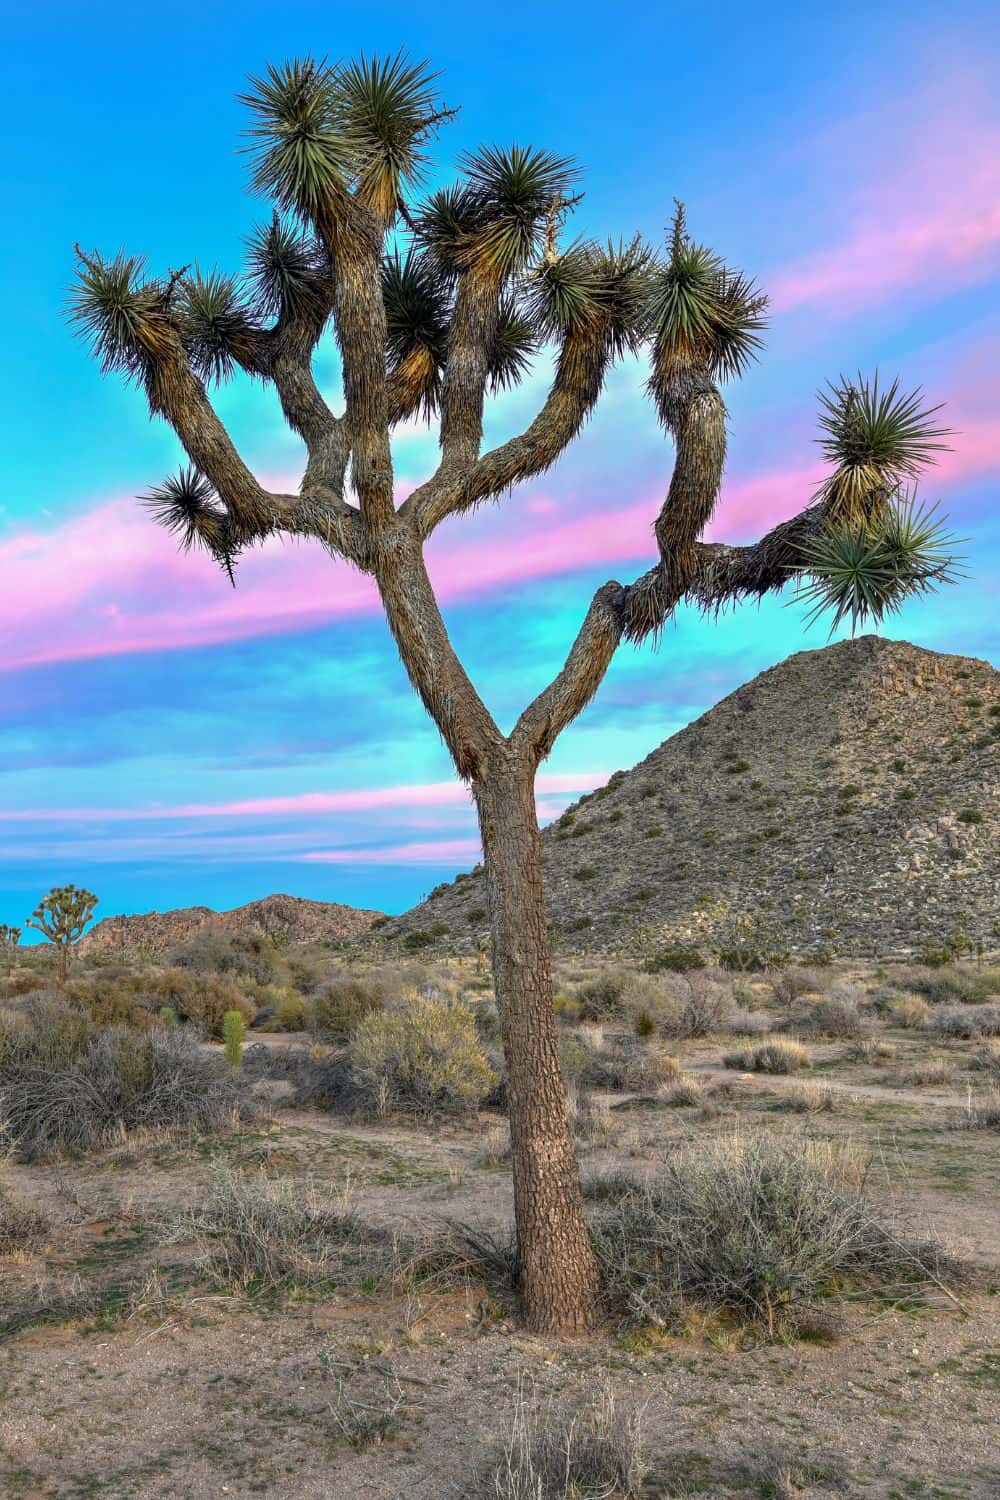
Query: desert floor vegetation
[{"x": 298, "y": 1263}]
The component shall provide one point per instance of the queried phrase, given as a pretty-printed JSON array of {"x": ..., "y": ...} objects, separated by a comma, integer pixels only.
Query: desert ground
[{"x": 310, "y": 1295}]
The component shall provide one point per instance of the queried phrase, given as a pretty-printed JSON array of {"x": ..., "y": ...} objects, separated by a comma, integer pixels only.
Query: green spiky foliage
[
  {"x": 389, "y": 107},
  {"x": 284, "y": 269},
  {"x": 446, "y": 224},
  {"x": 495, "y": 221},
  {"x": 877, "y": 440},
  {"x": 186, "y": 505},
  {"x": 216, "y": 326},
  {"x": 300, "y": 140},
  {"x": 514, "y": 344},
  {"x": 417, "y": 313},
  {"x": 706, "y": 321},
  {"x": 863, "y": 572},
  {"x": 122, "y": 316},
  {"x": 62, "y": 917}
]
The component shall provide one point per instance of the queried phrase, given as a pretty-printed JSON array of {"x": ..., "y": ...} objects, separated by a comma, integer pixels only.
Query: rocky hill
[
  {"x": 290, "y": 917},
  {"x": 849, "y": 799}
]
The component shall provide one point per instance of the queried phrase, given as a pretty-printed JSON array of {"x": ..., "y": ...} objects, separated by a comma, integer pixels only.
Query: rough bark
[{"x": 559, "y": 1276}]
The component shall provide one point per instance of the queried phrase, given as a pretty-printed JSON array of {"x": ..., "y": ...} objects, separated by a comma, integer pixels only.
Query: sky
[{"x": 166, "y": 740}]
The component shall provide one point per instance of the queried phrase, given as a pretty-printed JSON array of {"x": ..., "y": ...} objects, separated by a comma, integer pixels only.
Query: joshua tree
[
  {"x": 61, "y": 916},
  {"x": 435, "y": 305},
  {"x": 9, "y": 939}
]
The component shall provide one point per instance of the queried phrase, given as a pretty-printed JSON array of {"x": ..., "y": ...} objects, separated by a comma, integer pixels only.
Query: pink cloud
[
  {"x": 108, "y": 582},
  {"x": 362, "y": 799},
  {"x": 928, "y": 217}
]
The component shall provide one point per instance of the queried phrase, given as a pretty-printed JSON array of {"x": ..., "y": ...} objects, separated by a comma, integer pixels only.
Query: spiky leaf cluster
[
  {"x": 216, "y": 324},
  {"x": 864, "y": 572},
  {"x": 877, "y": 440},
  {"x": 284, "y": 270},
  {"x": 301, "y": 146},
  {"x": 389, "y": 106},
  {"x": 495, "y": 221},
  {"x": 123, "y": 316},
  {"x": 186, "y": 505},
  {"x": 514, "y": 344},
  {"x": 417, "y": 313},
  {"x": 704, "y": 317}
]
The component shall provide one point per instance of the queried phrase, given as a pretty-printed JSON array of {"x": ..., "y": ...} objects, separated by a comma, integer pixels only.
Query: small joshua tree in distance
[
  {"x": 435, "y": 305},
  {"x": 62, "y": 917},
  {"x": 9, "y": 939}
]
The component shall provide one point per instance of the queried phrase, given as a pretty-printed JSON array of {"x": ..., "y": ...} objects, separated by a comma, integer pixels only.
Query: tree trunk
[{"x": 559, "y": 1281}]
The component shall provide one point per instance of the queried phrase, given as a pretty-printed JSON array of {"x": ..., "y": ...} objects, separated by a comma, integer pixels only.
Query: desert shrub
[
  {"x": 292, "y": 1012},
  {"x": 47, "y": 1033},
  {"x": 319, "y": 1077},
  {"x": 966, "y": 1022},
  {"x": 259, "y": 1234},
  {"x": 756, "y": 1226},
  {"x": 777, "y": 1055},
  {"x": 417, "y": 940},
  {"x": 788, "y": 985},
  {"x": 836, "y": 1016},
  {"x": 692, "y": 1005},
  {"x": 869, "y": 1049},
  {"x": 811, "y": 1099},
  {"x": 955, "y": 983},
  {"x": 627, "y": 1067},
  {"x": 112, "y": 998},
  {"x": 987, "y": 1060},
  {"x": 909, "y": 1011},
  {"x": 749, "y": 944},
  {"x": 211, "y": 951},
  {"x": 740, "y": 1022},
  {"x": 201, "y": 999},
  {"x": 982, "y": 1113},
  {"x": 603, "y": 998},
  {"x": 21, "y": 1228},
  {"x": 425, "y": 1058},
  {"x": 645, "y": 1026},
  {"x": 685, "y": 1092},
  {"x": 495, "y": 1149},
  {"x": 343, "y": 1001},
  {"x": 543, "y": 1454},
  {"x": 675, "y": 958},
  {"x": 109, "y": 1083}
]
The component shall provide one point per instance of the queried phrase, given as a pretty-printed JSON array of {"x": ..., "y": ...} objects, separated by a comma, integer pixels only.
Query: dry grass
[
  {"x": 595, "y": 1453},
  {"x": 776, "y": 1055},
  {"x": 757, "y": 1226}
]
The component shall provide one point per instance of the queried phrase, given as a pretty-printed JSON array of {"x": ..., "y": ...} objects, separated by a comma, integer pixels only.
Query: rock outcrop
[{"x": 287, "y": 918}]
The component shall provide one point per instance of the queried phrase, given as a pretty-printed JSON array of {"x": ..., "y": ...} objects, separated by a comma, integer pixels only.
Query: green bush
[
  {"x": 676, "y": 958},
  {"x": 202, "y": 999},
  {"x": 211, "y": 951},
  {"x": 417, "y": 940},
  {"x": 342, "y": 1002},
  {"x": 427, "y": 1058}
]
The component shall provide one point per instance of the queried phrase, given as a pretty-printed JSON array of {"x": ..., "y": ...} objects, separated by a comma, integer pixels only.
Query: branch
[
  {"x": 353, "y": 239},
  {"x": 576, "y": 386},
  {"x": 721, "y": 574},
  {"x": 472, "y": 338},
  {"x": 541, "y": 723}
]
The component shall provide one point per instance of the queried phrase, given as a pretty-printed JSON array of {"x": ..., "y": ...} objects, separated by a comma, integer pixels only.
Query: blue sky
[{"x": 165, "y": 741}]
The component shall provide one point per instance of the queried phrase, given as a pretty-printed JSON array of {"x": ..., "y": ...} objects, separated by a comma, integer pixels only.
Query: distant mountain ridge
[
  {"x": 849, "y": 797},
  {"x": 292, "y": 918}
]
